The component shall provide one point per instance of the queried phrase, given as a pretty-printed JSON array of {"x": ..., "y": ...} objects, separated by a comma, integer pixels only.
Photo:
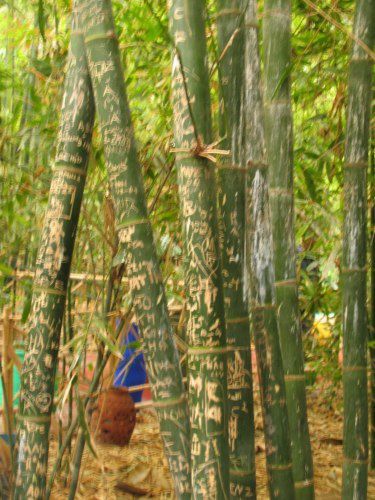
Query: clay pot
[{"x": 114, "y": 416}]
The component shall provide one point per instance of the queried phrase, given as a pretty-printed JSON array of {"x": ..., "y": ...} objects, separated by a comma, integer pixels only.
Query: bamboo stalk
[
  {"x": 70, "y": 336},
  {"x": 110, "y": 304},
  {"x": 7, "y": 367},
  {"x": 353, "y": 272},
  {"x": 262, "y": 275},
  {"x": 279, "y": 142},
  {"x": 207, "y": 361},
  {"x": 231, "y": 44},
  {"x": 51, "y": 277},
  {"x": 63, "y": 373},
  {"x": 136, "y": 245},
  {"x": 372, "y": 306}
]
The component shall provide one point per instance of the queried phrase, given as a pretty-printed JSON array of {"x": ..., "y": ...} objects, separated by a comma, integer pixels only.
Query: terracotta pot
[{"x": 114, "y": 416}]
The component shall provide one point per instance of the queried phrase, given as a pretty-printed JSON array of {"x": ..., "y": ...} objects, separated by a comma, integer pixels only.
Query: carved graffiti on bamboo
[
  {"x": 237, "y": 373},
  {"x": 63, "y": 195},
  {"x": 137, "y": 251},
  {"x": 99, "y": 69}
]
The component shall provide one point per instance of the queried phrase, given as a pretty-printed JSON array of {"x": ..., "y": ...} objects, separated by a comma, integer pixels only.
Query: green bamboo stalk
[
  {"x": 231, "y": 43},
  {"x": 279, "y": 142},
  {"x": 70, "y": 336},
  {"x": 262, "y": 276},
  {"x": 207, "y": 365},
  {"x": 372, "y": 306},
  {"x": 136, "y": 245},
  {"x": 51, "y": 277},
  {"x": 78, "y": 454},
  {"x": 25, "y": 146},
  {"x": 353, "y": 271}
]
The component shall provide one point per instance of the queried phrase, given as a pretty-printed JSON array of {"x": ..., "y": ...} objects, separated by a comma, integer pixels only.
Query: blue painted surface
[
  {"x": 129, "y": 375},
  {"x": 5, "y": 437}
]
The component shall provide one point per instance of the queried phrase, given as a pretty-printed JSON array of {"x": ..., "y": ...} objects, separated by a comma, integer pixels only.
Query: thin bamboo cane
[
  {"x": 100, "y": 364},
  {"x": 136, "y": 245},
  {"x": 231, "y": 44},
  {"x": 353, "y": 272},
  {"x": 262, "y": 275},
  {"x": 7, "y": 364},
  {"x": 52, "y": 273},
  {"x": 279, "y": 141},
  {"x": 110, "y": 305},
  {"x": 207, "y": 361}
]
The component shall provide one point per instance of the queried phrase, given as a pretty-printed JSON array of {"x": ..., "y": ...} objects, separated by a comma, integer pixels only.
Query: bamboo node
[
  {"x": 169, "y": 402},
  {"x": 252, "y": 24},
  {"x": 354, "y": 368},
  {"x": 207, "y": 350},
  {"x": 242, "y": 319},
  {"x": 365, "y": 58},
  {"x": 68, "y": 168},
  {"x": 276, "y": 12},
  {"x": 295, "y": 378},
  {"x": 281, "y": 192},
  {"x": 241, "y": 473},
  {"x": 109, "y": 35},
  {"x": 50, "y": 291},
  {"x": 279, "y": 466},
  {"x": 223, "y": 166},
  {"x": 34, "y": 418},
  {"x": 234, "y": 348},
  {"x": 133, "y": 222},
  {"x": 260, "y": 307},
  {"x": 203, "y": 150},
  {"x": 276, "y": 102},
  {"x": 256, "y": 164},
  {"x": 356, "y": 164},
  {"x": 292, "y": 282},
  {"x": 229, "y": 12},
  {"x": 348, "y": 270}
]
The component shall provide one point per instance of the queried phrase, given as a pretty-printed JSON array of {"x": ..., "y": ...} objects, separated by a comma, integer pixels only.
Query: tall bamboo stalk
[
  {"x": 354, "y": 313},
  {"x": 372, "y": 306},
  {"x": 262, "y": 275},
  {"x": 207, "y": 362},
  {"x": 136, "y": 244},
  {"x": 231, "y": 42},
  {"x": 51, "y": 277},
  {"x": 279, "y": 142}
]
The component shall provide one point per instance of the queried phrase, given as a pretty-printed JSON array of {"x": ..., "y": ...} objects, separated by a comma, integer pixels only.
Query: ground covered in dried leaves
[{"x": 140, "y": 469}]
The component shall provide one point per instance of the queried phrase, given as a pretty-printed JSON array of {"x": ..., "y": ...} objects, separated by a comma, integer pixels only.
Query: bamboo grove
[{"x": 233, "y": 146}]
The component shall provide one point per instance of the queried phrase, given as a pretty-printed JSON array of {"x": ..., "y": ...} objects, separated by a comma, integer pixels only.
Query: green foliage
[{"x": 319, "y": 71}]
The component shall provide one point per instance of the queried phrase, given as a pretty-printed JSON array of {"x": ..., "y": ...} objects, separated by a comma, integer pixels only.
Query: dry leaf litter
[{"x": 140, "y": 470}]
